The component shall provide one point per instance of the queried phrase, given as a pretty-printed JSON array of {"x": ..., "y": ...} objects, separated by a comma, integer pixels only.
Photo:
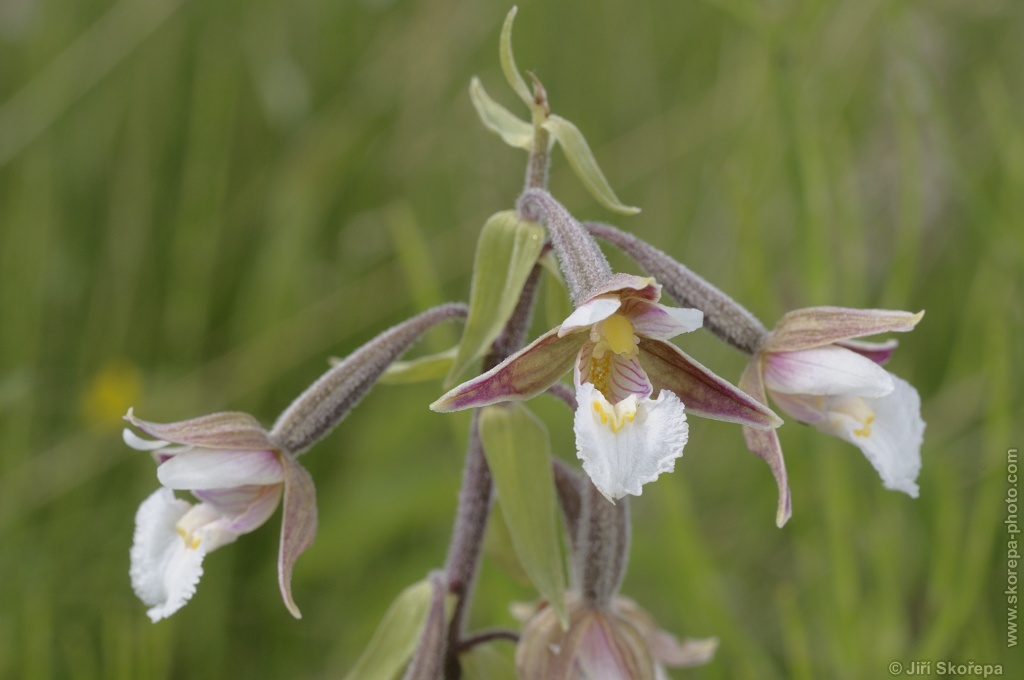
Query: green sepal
[
  {"x": 422, "y": 369},
  {"x": 508, "y": 62},
  {"x": 394, "y": 642},
  {"x": 505, "y": 253},
  {"x": 583, "y": 163},
  {"x": 496, "y": 118},
  {"x": 518, "y": 454}
]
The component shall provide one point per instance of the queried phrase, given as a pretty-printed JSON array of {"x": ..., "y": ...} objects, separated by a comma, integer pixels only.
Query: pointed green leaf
[
  {"x": 505, "y": 254},
  {"x": 487, "y": 662},
  {"x": 395, "y": 639},
  {"x": 582, "y": 160},
  {"x": 430, "y": 367},
  {"x": 519, "y": 455},
  {"x": 499, "y": 550},
  {"x": 508, "y": 61},
  {"x": 515, "y": 131}
]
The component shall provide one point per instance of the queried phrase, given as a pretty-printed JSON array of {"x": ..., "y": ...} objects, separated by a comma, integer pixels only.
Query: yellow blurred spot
[
  {"x": 112, "y": 390},
  {"x": 191, "y": 540},
  {"x": 866, "y": 430},
  {"x": 616, "y": 416}
]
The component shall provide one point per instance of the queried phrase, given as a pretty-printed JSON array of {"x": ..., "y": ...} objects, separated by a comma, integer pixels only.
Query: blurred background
[{"x": 200, "y": 202}]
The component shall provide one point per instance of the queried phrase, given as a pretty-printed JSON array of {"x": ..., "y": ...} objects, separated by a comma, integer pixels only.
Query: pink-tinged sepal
[
  {"x": 298, "y": 527},
  {"x": 879, "y": 352},
  {"x": 627, "y": 286},
  {"x": 825, "y": 370},
  {"x": 704, "y": 393},
  {"x": 659, "y": 322},
  {"x": 819, "y": 326},
  {"x": 218, "y": 469},
  {"x": 765, "y": 443},
  {"x": 228, "y": 430},
  {"x": 245, "y": 508},
  {"x": 523, "y": 375}
]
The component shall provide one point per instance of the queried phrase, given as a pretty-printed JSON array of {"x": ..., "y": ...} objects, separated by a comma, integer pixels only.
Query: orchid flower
[
  {"x": 631, "y": 384},
  {"x": 817, "y": 373},
  {"x": 230, "y": 464},
  {"x": 618, "y": 642}
]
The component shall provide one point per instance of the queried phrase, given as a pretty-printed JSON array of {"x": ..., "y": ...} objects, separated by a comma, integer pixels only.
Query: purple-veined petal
[
  {"x": 228, "y": 430},
  {"x": 657, "y": 321},
  {"x": 164, "y": 570},
  {"x": 523, "y": 375},
  {"x": 819, "y": 326},
  {"x": 765, "y": 443},
  {"x": 890, "y": 437},
  {"x": 879, "y": 352},
  {"x": 213, "y": 469},
  {"x": 610, "y": 648},
  {"x": 243, "y": 508},
  {"x": 825, "y": 371},
  {"x": 704, "y": 393},
  {"x": 298, "y": 527},
  {"x": 590, "y": 312},
  {"x": 625, "y": 445},
  {"x": 615, "y": 375}
]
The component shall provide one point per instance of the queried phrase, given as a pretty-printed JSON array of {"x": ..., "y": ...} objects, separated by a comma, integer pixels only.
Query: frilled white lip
[{"x": 622, "y": 451}]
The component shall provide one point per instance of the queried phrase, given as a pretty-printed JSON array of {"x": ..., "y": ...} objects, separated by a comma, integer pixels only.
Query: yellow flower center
[
  {"x": 615, "y": 416},
  {"x": 616, "y": 334},
  {"x": 856, "y": 408}
]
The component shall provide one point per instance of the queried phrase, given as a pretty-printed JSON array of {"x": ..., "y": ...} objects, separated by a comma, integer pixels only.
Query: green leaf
[
  {"x": 394, "y": 641},
  {"x": 431, "y": 367},
  {"x": 519, "y": 455},
  {"x": 515, "y": 131},
  {"x": 487, "y": 662},
  {"x": 508, "y": 61},
  {"x": 499, "y": 550},
  {"x": 505, "y": 254},
  {"x": 582, "y": 160}
]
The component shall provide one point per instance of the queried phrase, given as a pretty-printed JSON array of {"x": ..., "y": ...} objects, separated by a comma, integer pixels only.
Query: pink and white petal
[
  {"x": 827, "y": 370},
  {"x": 893, "y": 444},
  {"x": 243, "y": 508},
  {"x": 803, "y": 408},
  {"x": 704, "y": 393},
  {"x": 523, "y": 375},
  {"x": 612, "y": 650},
  {"x": 628, "y": 286},
  {"x": 626, "y": 377},
  {"x": 590, "y": 312},
  {"x": 819, "y": 326},
  {"x": 620, "y": 463},
  {"x": 879, "y": 352},
  {"x": 298, "y": 527},
  {"x": 765, "y": 443},
  {"x": 139, "y": 444},
  {"x": 228, "y": 430},
  {"x": 665, "y": 647},
  {"x": 657, "y": 321},
  {"x": 164, "y": 571},
  {"x": 215, "y": 469}
]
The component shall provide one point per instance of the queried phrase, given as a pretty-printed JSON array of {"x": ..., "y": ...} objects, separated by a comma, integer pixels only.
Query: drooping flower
[
  {"x": 631, "y": 384},
  {"x": 618, "y": 642},
  {"x": 816, "y": 372},
  {"x": 239, "y": 475}
]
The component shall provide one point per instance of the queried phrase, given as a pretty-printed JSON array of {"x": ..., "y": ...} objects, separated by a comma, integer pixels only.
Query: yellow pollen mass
[{"x": 617, "y": 331}]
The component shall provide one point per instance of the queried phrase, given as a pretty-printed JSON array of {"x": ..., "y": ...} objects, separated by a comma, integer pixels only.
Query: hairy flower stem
[
  {"x": 603, "y": 544},
  {"x": 319, "y": 409},
  {"x": 723, "y": 316},
  {"x": 477, "y": 490},
  {"x": 583, "y": 264}
]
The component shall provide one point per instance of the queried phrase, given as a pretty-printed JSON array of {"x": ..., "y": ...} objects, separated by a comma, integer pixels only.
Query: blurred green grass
[{"x": 201, "y": 202}]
